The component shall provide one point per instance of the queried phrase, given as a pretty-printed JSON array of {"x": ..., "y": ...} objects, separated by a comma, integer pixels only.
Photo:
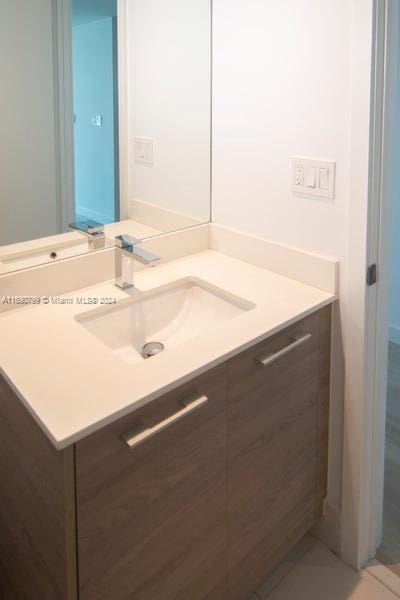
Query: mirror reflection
[{"x": 105, "y": 123}]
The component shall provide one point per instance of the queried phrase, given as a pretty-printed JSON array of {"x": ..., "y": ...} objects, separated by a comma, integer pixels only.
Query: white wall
[
  {"x": 281, "y": 89},
  {"x": 292, "y": 78},
  {"x": 168, "y": 73},
  {"x": 28, "y": 190}
]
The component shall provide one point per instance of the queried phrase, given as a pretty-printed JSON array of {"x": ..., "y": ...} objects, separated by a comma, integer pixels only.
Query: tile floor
[{"x": 312, "y": 572}]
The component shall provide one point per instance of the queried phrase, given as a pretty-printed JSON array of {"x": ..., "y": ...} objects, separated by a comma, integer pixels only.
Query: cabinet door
[
  {"x": 277, "y": 432},
  {"x": 37, "y": 520},
  {"x": 152, "y": 517}
]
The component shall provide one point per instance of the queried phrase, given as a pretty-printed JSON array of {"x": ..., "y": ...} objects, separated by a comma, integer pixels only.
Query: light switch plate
[
  {"x": 144, "y": 151},
  {"x": 97, "y": 121},
  {"x": 318, "y": 177}
]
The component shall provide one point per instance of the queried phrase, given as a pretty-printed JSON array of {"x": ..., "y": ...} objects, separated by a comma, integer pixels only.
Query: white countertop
[{"x": 73, "y": 384}]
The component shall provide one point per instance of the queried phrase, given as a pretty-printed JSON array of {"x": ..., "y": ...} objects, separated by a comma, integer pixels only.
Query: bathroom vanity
[
  {"x": 196, "y": 493},
  {"x": 164, "y": 431}
]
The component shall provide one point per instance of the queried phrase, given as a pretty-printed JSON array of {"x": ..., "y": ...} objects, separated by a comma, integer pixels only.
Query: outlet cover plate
[
  {"x": 144, "y": 151},
  {"x": 324, "y": 182}
]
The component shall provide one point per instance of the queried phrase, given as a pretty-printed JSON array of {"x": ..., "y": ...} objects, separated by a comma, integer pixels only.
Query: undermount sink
[{"x": 169, "y": 315}]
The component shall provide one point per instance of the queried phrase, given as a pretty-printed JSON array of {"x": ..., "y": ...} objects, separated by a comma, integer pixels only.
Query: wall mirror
[{"x": 105, "y": 118}]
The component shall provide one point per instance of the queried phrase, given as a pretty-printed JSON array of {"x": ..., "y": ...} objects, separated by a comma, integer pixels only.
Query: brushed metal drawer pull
[
  {"x": 264, "y": 361},
  {"x": 134, "y": 438}
]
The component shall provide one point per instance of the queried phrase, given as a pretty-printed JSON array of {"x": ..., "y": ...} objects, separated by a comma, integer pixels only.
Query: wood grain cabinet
[
  {"x": 277, "y": 422},
  {"x": 196, "y": 496},
  {"x": 151, "y": 519}
]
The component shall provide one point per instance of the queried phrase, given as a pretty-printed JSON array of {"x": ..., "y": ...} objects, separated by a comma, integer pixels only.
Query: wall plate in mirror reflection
[{"x": 120, "y": 76}]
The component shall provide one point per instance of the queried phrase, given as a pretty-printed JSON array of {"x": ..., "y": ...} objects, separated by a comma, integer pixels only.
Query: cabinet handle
[
  {"x": 134, "y": 438},
  {"x": 265, "y": 361}
]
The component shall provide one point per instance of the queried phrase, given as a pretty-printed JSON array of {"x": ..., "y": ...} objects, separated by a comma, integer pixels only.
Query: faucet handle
[
  {"x": 128, "y": 245},
  {"x": 126, "y": 241}
]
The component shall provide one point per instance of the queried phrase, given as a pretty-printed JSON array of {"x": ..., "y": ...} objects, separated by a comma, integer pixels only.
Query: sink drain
[{"x": 152, "y": 348}]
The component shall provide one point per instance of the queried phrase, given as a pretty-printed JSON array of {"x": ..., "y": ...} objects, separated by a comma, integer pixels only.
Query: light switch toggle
[
  {"x": 311, "y": 177},
  {"x": 324, "y": 179}
]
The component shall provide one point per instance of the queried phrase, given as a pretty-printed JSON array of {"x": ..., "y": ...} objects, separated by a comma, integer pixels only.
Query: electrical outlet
[
  {"x": 299, "y": 177},
  {"x": 312, "y": 177}
]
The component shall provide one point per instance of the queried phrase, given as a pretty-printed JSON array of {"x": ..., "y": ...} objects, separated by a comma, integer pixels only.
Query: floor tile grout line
[{"x": 380, "y": 579}]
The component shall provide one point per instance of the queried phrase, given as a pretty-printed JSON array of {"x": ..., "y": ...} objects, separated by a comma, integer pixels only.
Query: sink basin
[{"x": 170, "y": 314}]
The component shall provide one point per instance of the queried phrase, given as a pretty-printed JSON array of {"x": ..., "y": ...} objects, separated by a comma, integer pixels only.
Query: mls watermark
[{"x": 62, "y": 300}]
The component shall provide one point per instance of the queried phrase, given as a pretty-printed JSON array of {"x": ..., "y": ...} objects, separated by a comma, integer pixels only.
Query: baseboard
[
  {"x": 328, "y": 528},
  {"x": 160, "y": 217},
  {"x": 394, "y": 334}
]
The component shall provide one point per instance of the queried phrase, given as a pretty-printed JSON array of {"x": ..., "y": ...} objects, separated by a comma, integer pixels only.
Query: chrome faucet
[
  {"x": 93, "y": 231},
  {"x": 128, "y": 252}
]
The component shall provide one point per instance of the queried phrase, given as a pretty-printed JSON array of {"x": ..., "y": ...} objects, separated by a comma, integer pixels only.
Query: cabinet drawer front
[{"x": 141, "y": 511}]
